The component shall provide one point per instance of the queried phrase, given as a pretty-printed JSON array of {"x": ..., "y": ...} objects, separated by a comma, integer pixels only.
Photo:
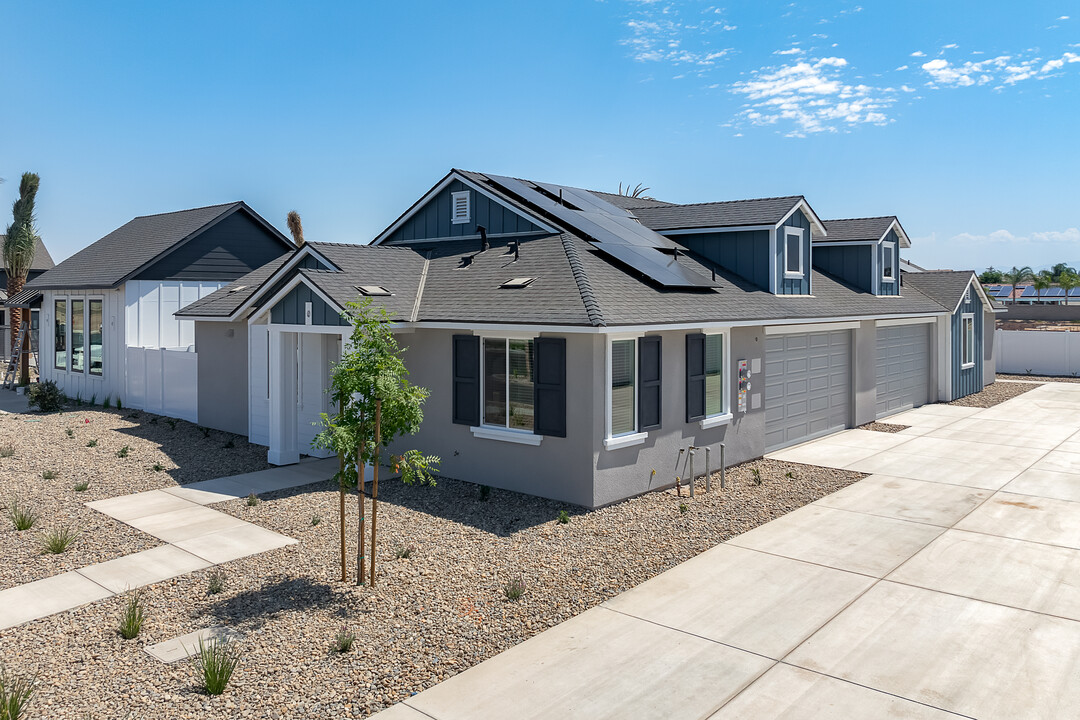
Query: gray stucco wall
[
  {"x": 626, "y": 472},
  {"x": 558, "y": 468},
  {"x": 222, "y": 350},
  {"x": 989, "y": 363},
  {"x": 864, "y": 365}
]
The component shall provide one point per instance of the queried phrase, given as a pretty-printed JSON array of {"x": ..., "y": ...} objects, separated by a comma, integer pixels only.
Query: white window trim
[
  {"x": 888, "y": 247},
  {"x": 614, "y": 442},
  {"x": 964, "y": 338},
  {"x": 86, "y": 331},
  {"x": 798, "y": 233},
  {"x": 455, "y": 219},
  {"x": 501, "y": 432},
  {"x": 724, "y": 416},
  {"x": 51, "y": 320}
]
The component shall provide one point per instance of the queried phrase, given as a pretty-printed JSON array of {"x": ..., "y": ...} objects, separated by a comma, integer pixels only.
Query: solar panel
[
  {"x": 1054, "y": 292},
  {"x": 1074, "y": 292},
  {"x": 1029, "y": 291},
  {"x": 652, "y": 263},
  {"x": 585, "y": 200},
  {"x": 1005, "y": 291}
]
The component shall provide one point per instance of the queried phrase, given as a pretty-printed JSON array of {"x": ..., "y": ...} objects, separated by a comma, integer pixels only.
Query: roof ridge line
[
  {"x": 868, "y": 217},
  {"x": 177, "y": 212},
  {"x": 723, "y": 202},
  {"x": 592, "y": 306}
]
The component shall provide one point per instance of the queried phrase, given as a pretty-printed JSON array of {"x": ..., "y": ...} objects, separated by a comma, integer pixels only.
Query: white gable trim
[
  {"x": 810, "y": 214},
  {"x": 289, "y": 287},
  {"x": 905, "y": 242},
  {"x": 979, "y": 289},
  {"x": 284, "y": 270},
  {"x": 454, "y": 175}
]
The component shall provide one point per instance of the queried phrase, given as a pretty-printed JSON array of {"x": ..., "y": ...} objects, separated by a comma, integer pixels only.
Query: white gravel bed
[
  {"x": 41, "y": 444},
  {"x": 994, "y": 394},
  {"x": 430, "y": 616}
]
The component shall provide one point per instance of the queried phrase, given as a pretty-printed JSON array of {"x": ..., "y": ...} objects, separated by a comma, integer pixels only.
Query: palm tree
[
  {"x": 1067, "y": 281},
  {"x": 638, "y": 191},
  {"x": 1060, "y": 269},
  {"x": 297, "y": 230},
  {"x": 20, "y": 241},
  {"x": 1017, "y": 276},
  {"x": 1041, "y": 282}
]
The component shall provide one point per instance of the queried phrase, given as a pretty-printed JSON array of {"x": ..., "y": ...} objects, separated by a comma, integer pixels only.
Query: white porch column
[{"x": 283, "y": 442}]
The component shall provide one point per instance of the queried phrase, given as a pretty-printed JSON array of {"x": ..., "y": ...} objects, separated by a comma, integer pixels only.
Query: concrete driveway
[{"x": 946, "y": 584}]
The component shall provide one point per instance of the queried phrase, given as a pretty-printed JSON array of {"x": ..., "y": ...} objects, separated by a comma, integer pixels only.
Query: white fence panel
[
  {"x": 1038, "y": 352},
  {"x": 163, "y": 381}
]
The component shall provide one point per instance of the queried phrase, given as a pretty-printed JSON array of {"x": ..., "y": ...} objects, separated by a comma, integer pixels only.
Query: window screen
[
  {"x": 714, "y": 375},
  {"x": 623, "y": 371}
]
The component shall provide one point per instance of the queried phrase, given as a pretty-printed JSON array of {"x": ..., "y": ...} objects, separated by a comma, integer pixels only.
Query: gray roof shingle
[
  {"x": 944, "y": 286},
  {"x": 854, "y": 229},
  {"x": 107, "y": 262},
  {"x": 223, "y": 301},
  {"x": 762, "y": 211}
]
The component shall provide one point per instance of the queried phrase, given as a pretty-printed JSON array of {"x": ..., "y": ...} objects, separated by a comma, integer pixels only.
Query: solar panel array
[{"x": 1028, "y": 292}]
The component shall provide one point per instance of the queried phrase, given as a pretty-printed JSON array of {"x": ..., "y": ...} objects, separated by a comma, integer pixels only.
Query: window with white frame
[
  {"x": 78, "y": 336},
  {"x": 60, "y": 321},
  {"x": 715, "y": 402},
  {"x": 888, "y": 265},
  {"x": 793, "y": 252},
  {"x": 460, "y": 210},
  {"x": 94, "y": 328},
  {"x": 507, "y": 377},
  {"x": 967, "y": 340},
  {"x": 623, "y": 387}
]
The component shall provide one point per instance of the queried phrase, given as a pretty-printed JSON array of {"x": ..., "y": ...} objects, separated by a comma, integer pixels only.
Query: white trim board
[
  {"x": 810, "y": 328},
  {"x": 264, "y": 311},
  {"x": 904, "y": 321}
]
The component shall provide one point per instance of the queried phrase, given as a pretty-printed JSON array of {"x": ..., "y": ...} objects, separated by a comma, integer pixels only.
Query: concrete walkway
[
  {"x": 196, "y": 536},
  {"x": 944, "y": 585}
]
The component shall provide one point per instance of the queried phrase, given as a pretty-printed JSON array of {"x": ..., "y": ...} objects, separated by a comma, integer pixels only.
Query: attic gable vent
[
  {"x": 460, "y": 210},
  {"x": 373, "y": 290},
  {"x": 517, "y": 283}
]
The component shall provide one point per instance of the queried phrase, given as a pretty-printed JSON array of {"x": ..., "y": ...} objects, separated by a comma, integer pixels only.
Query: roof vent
[
  {"x": 373, "y": 290},
  {"x": 238, "y": 288},
  {"x": 517, "y": 283}
]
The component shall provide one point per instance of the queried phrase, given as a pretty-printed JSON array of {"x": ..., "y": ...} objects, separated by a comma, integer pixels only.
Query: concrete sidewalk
[
  {"x": 196, "y": 536},
  {"x": 942, "y": 586}
]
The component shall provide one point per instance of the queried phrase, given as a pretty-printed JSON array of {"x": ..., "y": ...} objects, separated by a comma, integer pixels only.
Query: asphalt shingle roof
[
  {"x": 630, "y": 203},
  {"x": 223, "y": 301},
  {"x": 944, "y": 286},
  {"x": 853, "y": 229},
  {"x": 108, "y": 261},
  {"x": 762, "y": 211}
]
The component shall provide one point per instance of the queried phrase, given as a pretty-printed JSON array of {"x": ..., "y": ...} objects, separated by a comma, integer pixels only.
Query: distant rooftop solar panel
[
  {"x": 1054, "y": 292},
  {"x": 1029, "y": 291},
  {"x": 1074, "y": 292}
]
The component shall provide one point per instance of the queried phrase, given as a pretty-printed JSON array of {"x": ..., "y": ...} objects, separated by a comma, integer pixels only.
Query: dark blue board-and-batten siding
[
  {"x": 290, "y": 309},
  {"x": 433, "y": 219},
  {"x": 853, "y": 264},
  {"x": 230, "y": 248},
  {"x": 889, "y": 288},
  {"x": 967, "y": 381},
  {"x": 745, "y": 252},
  {"x": 793, "y": 286}
]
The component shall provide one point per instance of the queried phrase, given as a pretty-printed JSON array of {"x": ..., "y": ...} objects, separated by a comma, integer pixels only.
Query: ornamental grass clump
[
  {"x": 16, "y": 692},
  {"x": 514, "y": 589},
  {"x": 82, "y": 486},
  {"x": 58, "y": 539},
  {"x": 131, "y": 621},
  {"x": 21, "y": 516},
  {"x": 344, "y": 639},
  {"x": 216, "y": 661},
  {"x": 215, "y": 582}
]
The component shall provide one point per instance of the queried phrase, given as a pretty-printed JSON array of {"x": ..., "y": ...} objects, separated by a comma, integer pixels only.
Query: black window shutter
[
  {"x": 549, "y": 387},
  {"x": 649, "y": 376},
  {"x": 466, "y": 371},
  {"x": 695, "y": 376}
]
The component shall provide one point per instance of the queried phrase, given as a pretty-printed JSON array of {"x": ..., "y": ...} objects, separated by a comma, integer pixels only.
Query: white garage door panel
[
  {"x": 807, "y": 386},
  {"x": 903, "y": 367}
]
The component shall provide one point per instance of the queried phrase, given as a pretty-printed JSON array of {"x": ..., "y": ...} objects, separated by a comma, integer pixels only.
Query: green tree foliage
[
  {"x": 1041, "y": 282},
  {"x": 1020, "y": 275},
  {"x": 1067, "y": 281},
  {"x": 991, "y": 276},
  {"x": 20, "y": 240}
]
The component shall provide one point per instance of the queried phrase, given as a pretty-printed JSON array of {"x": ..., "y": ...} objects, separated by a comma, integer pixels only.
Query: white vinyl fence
[
  {"x": 1038, "y": 352},
  {"x": 163, "y": 381}
]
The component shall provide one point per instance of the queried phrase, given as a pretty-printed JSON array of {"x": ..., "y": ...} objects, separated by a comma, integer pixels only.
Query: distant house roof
[
  {"x": 134, "y": 245},
  {"x": 731, "y": 213},
  {"x": 42, "y": 259},
  {"x": 869, "y": 229},
  {"x": 946, "y": 287}
]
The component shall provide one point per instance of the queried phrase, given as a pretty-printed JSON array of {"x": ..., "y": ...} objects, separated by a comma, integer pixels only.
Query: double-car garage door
[
  {"x": 808, "y": 383},
  {"x": 902, "y": 369}
]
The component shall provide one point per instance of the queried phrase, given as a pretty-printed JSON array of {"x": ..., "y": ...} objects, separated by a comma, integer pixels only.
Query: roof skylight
[{"x": 373, "y": 290}]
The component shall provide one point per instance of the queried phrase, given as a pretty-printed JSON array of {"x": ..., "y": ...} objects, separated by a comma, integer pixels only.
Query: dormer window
[
  {"x": 460, "y": 207},
  {"x": 793, "y": 253},
  {"x": 888, "y": 266}
]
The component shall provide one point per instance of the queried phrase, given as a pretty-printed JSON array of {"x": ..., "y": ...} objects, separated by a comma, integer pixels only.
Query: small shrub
[
  {"x": 158, "y": 467},
  {"x": 93, "y": 400},
  {"x": 82, "y": 486},
  {"x": 564, "y": 517},
  {"x": 215, "y": 582},
  {"x": 315, "y": 520},
  {"x": 404, "y": 552},
  {"x": 16, "y": 692},
  {"x": 171, "y": 423},
  {"x": 7, "y": 451},
  {"x": 119, "y": 405},
  {"x": 58, "y": 539},
  {"x": 91, "y": 443},
  {"x": 229, "y": 445},
  {"x": 485, "y": 493},
  {"x": 205, "y": 431},
  {"x": 107, "y": 403},
  {"x": 755, "y": 476},
  {"x": 21, "y": 517},
  {"x": 789, "y": 475},
  {"x": 78, "y": 399},
  {"x": 684, "y": 508},
  {"x": 344, "y": 639},
  {"x": 69, "y": 432},
  {"x": 131, "y": 621},
  {"x": 514, "y": 589},
  {"x": 49, "y": 475},
  {"x": 46, "y": 396},
  {"x": 123, "y": 452},
  {"x": 252, "y": 500},
  {"x": 216, "y": 661}
]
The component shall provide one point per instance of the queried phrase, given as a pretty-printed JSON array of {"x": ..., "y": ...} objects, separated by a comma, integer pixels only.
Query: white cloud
[
  {"x": 1002, "y": 70},
  {"x": 950, "y": 46},
  {"x": 918, "y": 53},
  {"x": 661, "y": 34},
  {"x": 1063, "y": 17},
  {"x": 811, "y": 96},
  {"x": 789, "y": 51},
  {"x": 1069, "y": 236},
  {"x": 901, "y": 68}
]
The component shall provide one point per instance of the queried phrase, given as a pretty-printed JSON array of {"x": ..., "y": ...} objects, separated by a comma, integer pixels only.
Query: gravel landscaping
[
  {"x": 884, "y": 427},
  {"x": 1038, "y": 378},
  {"x": 994, "y": 394},
  {"x": 431, "y": 615},
  {"x": 42, "y": 447}
]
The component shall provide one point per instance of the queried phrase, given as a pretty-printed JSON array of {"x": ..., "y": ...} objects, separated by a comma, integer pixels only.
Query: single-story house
[
  {"x": 108, "y": 322},
  {"x": 575, "y": 342}
]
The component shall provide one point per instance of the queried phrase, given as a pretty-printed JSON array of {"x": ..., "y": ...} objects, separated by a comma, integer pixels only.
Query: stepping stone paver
[
  {"x": 44, "y": 597},
  {"x": 234, "y": 543},
  {"x": 180, "y": 648}
]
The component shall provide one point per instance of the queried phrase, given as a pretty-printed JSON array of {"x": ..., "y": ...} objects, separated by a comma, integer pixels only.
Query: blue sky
[{"x": 960, "y": 117}]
